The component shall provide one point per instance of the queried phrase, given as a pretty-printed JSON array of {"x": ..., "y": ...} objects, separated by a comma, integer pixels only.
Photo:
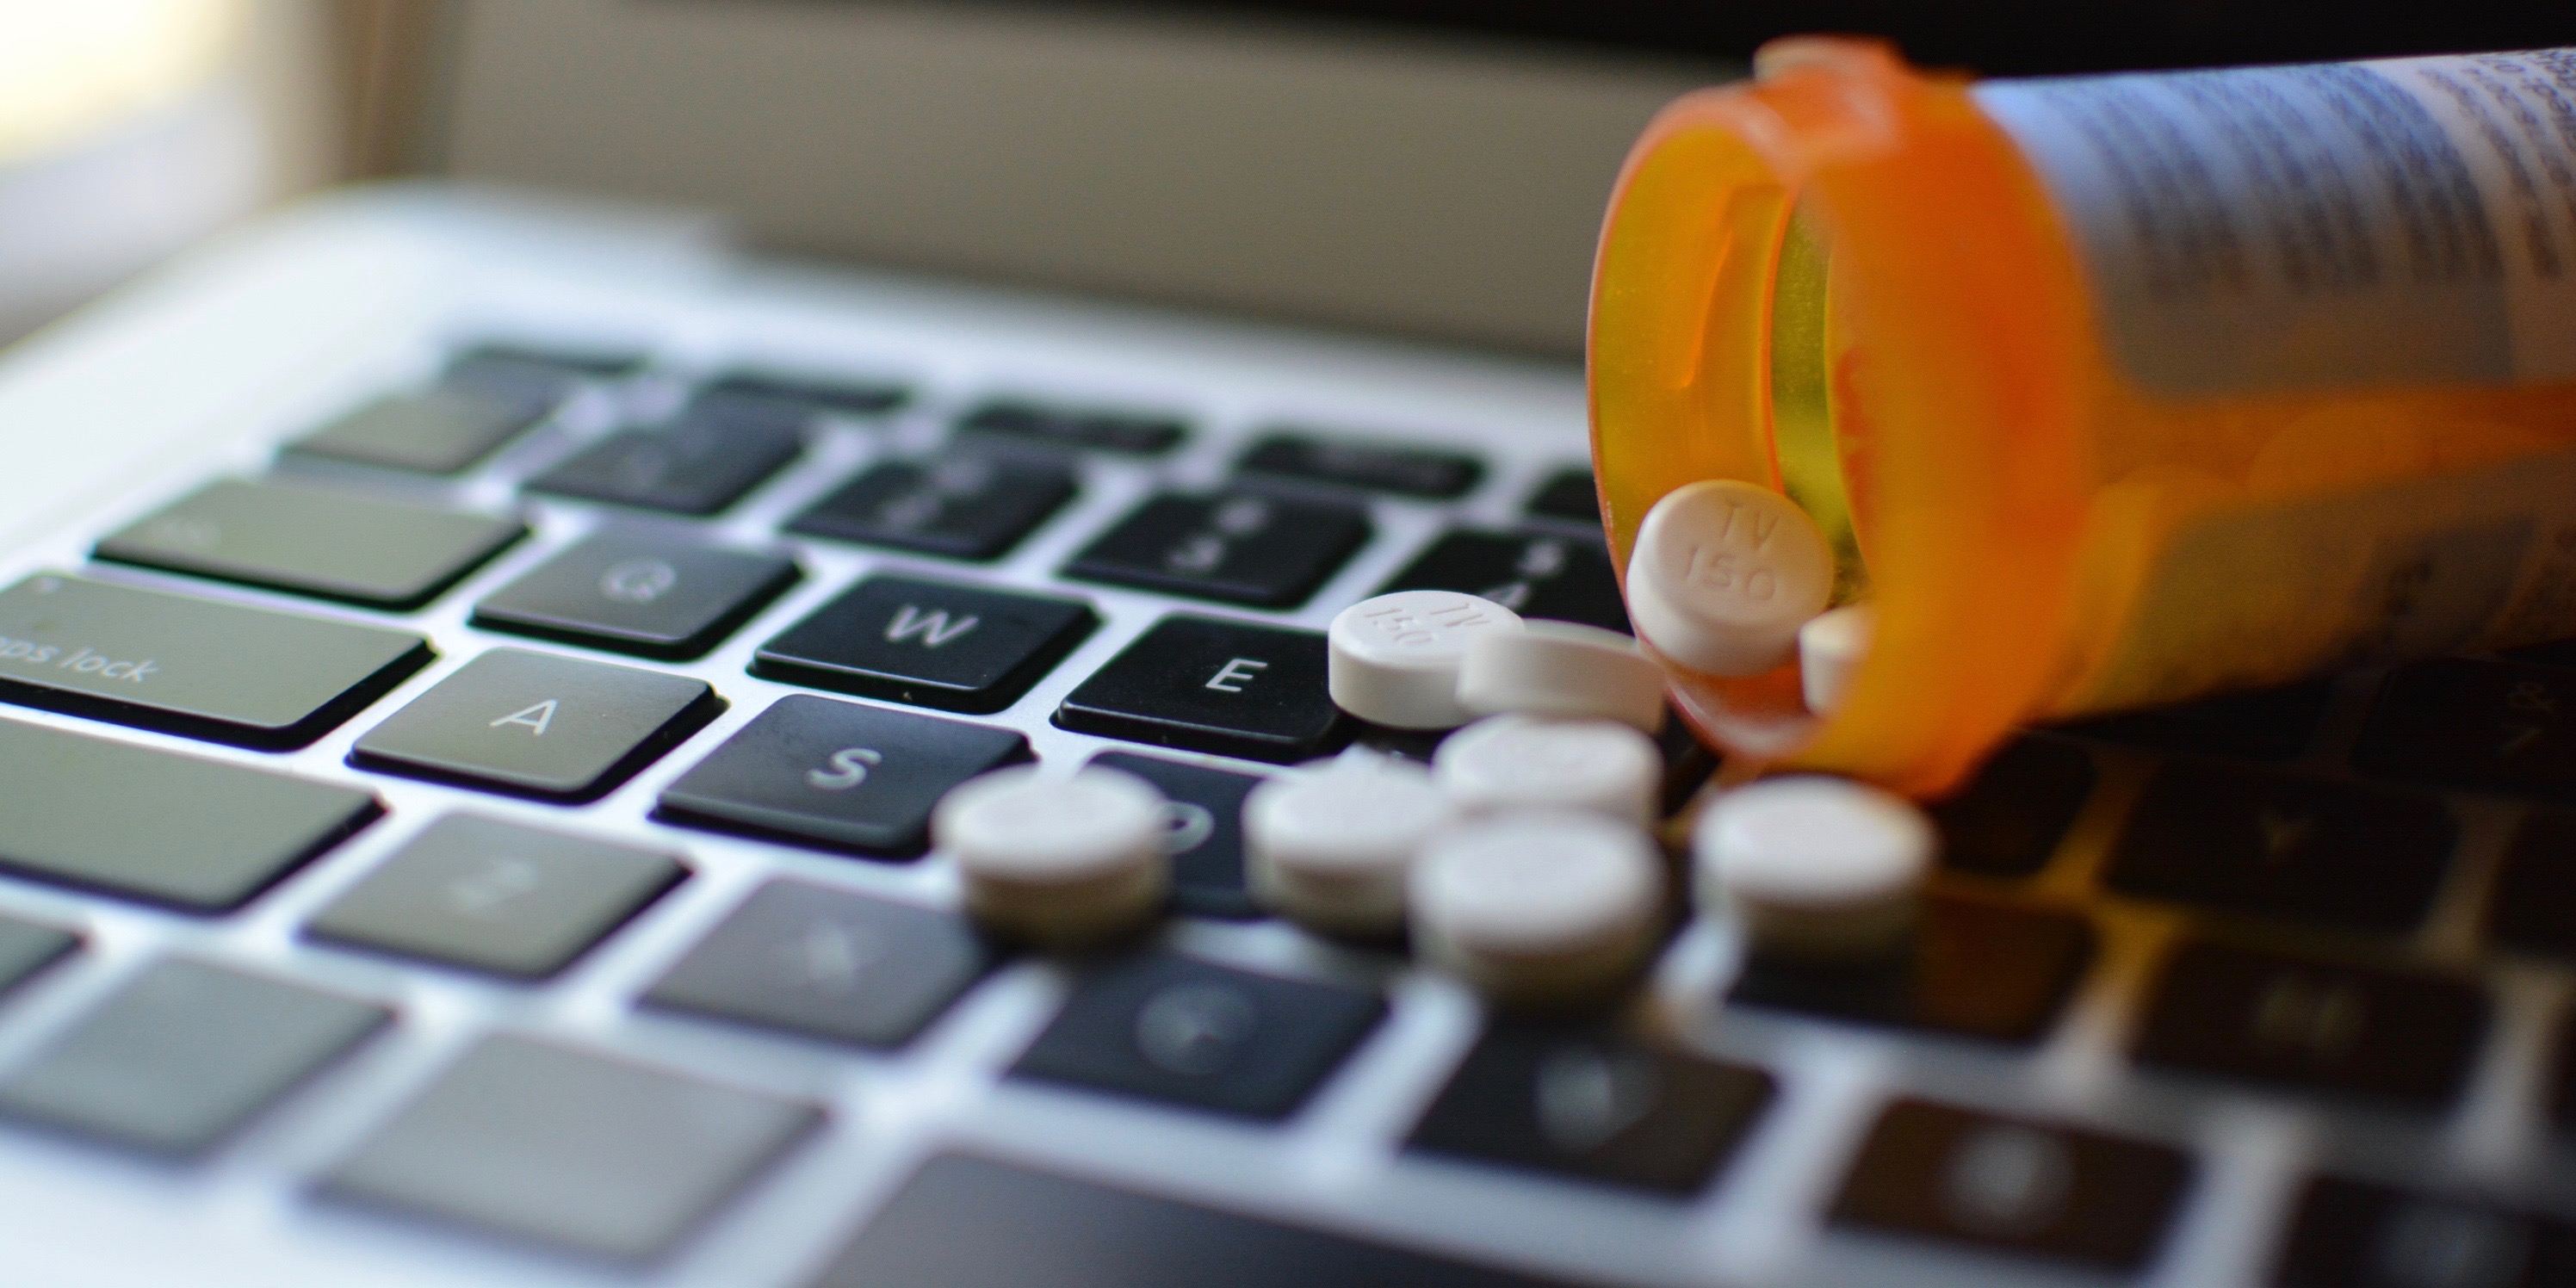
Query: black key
[
  {"x": 698, "y": 464},
  {"x": 838, "y": 775},
  {"x": 635, "y": 592},
  {"x": 191, "y": 666},
  {"x": 1594, "y": 1106},
  {"x": 1536, "y": 575},
  {"x": 193, "y": 834},
  {"x": 442, "y": 430},
  {"x": 497, "y": 363},
  {"x": 1206, "y": 810},
  {"x": 579, "y": 1151},
  {"x": 27, "y": 947},
  {"x": 1377, "y": 467},
  {"x": 2533, "y": 907},
  {"x": 808, "y": 394},
  {"x": 2008, "y": 820},
  {"x": 829, "y": 964},
  {"x": 182, "y": 1054},
  {"x": 928, "y": 643},
  {"x": 1238, "y": 547},
  {"x": 1976, "y": 969},
  {"x": 2265, "y": 724},
  {"x": 534, "y": 724},
  {"x": 965, "y": 1222},
  {"x": 1168, "y": 1028},
  {"x": 1211, "y": 685},
  {"x": 1141, "y": 434},
  {"x": 2351, "y": 1234},
  {"x": 2255, "y": 841},
  {"x": 497, "y": 897},
  {"x": 1569, "y": 495},
  {"x": 1933, "y": 1172},
  {"x": 364, "y": 550},
  {"x": 2314, "y": 1025},
  {"x": 2485, "y": 726},
  {"x": 962, "y": 505}
]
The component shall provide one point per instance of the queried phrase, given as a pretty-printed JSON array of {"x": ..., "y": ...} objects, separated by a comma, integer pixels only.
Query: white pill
[
  {"x": 1724, "y": 574},
  {"x": 1532, "y": 762},
  {"x": 1814, "y": 866},
  {"x": 1561, "y": 669},
  {"x": 1057, "y": 860},
  {"x": 1538, "y": 908},
  {"x": 1830, "y": 649},
  {"x": 1329, "y": 848},
  {"x": 1393, "y": 660}
]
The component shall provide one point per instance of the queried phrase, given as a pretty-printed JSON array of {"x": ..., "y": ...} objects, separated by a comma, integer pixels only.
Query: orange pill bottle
[{"x": 2108, "y": 391}]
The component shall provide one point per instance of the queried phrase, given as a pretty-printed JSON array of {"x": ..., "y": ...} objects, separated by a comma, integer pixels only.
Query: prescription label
[{"x": 2405, "y": 221}]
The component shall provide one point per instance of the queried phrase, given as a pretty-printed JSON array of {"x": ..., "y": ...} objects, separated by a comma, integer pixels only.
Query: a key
[
  {"x": 221, "y": 672},
  {"x": 534, "y": 724},
  {"x": 442, "y": 430},
  {"x": 2277, "y": 845},
  {"x": 1134, "y": 433},
  {"x": 967, "y": 1222},
  {"x": 1376, "y": 467},
  {"x": 1206, "y": 684},
  {"x": 1168, "y": 1028},
  {"x": 928, "y": 643},
  {"x": 837, "y": 775},
  {"x": 808, "y": 394},
  {"x": 1976, "y": 969},
  {"x": 2353, "y": 1234},
  {"x": 182, "y": 1054},
  {"x": 331, "y": 545},
  {"x": 2266, "y": 724},
  {"x": 698, "y": 464},
  {"x": 496, "y": 897},
  {"x": 1236, "y": 547},
  {"x": 1569, "y": 495},
  {"x": 2314, "y": 1025},
  {"x": 826, "y": 963},
  {"x": 27, "y": 947},
  {"x": 193, "y": 834},
  {"x": 1206, "y": 809},
  {"x": 962, "y": 505},
  {"x": 2008, "y": 820},
  {"x": 1541, "y": 575},
  {"x": 1956, "y": 1176},
  {"x": 589, "y": 1154},
  {"x": 1595, "y": 1106},
  {"x": 2533, "y": 906},
  {"x": 2485, "y": 726},
  {"x": 638, "y": 592}
]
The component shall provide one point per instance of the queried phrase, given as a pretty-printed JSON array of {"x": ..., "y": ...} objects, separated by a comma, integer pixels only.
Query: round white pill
[
  {"x": 1532, "y": 762},
  {"x": 1393, "y": 660},
  {"x": 1830, "y": 649},
  {"x": 1059, "y": 861},
  {"x": 1550, "y": 668},
  {"x": 1538, "y": 908},
  {"x": 1723, "y": 575},
  {"x": 1814, "y": 866},
  {"x": 1329, "y": 848}
]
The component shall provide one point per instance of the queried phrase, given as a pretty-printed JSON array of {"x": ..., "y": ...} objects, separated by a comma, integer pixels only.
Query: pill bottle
[{"x": 2108, "y": 391}]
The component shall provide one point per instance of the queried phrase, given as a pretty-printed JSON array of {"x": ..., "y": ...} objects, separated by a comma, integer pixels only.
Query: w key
[
  {"x": 928, "y": 643},
  {"x": 2314, "y": 1025}
]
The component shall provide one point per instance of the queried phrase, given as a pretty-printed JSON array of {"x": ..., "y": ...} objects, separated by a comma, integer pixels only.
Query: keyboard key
[
  {"x": 497, "y": 897},
  {"x": 382, "y": 554},
  {"x": 1376, "y": 467},
  {"x": 2351, "y": 1234},
  {"x": 1977, "y": 969},
  {"x": 2275, "y": 845},
  {"x": 837, "y": 775},
  {"x": 808, "y": 394},
  {"x": 2314, "y": 1025},
  {"x": 499, "y": 362},
  {"x": 2265, "y": 724},
  {"x": 965, "y": 1222},
  {"x": 1139, "y": 434},
  {"x": 928, "y": 643},
  {"x": 1206, "y": 810},
  {"x": 1168, "y": 1028},
  {"x": 27, "y": 947},
  {"x": 1205, "y": 684},
  {"x": 538, "y": 725},
  {"x": 963, "y": 506},
  {"x": 2008, "y": 820},
  {"x": 1238, "y": 547},
  {"x": 2533, "y": 906},
  {"x": 1535, "y": 575},
  {"x": 193, "y": 834},
  {"x": 442, "y": 430},
  {"x": 580, "y": 1151},
  {"x": 2485, "y": 726},
  {"x": 1568, "y": 495},
  {"x": 1593, "y": 1106},
  {"x": 828, "y": 964},
  {"x": 221, "y": 672},
  {"x": 698, "y": 464},
  {"x": 1952, "y": 1175},
  {"x": 635, "y": 592},
  {"x": 182, "y": 1054}
]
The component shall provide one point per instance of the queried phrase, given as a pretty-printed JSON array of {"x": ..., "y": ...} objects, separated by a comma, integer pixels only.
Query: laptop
[{"x": 477, "y": 656}]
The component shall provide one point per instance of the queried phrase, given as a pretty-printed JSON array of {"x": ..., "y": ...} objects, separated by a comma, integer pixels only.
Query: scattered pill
[
  {"x": 1059, "y": 861},
  {"x": 1538, "y": 908},
  {"x": 1393, "y": 659},
  {"x": 1533, "y": 762},
  {"x": 1724, "y": 574},
  {"x": 1814, "y": 866},
  {"x": 1830, "y": 649},
  {"x": 1329, "y": 848},
  {"x": 1552, "y": 668}
]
